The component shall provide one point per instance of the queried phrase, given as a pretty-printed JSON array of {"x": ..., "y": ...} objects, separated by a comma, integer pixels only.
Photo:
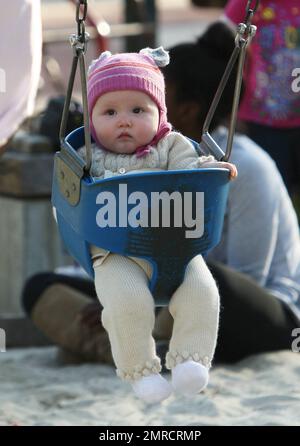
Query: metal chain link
[
  {"x": 250, "y": 11},
  {"x": 80, "y": 19}
]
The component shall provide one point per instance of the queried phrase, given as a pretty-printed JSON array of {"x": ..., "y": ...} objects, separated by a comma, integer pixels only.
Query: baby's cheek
[
  {"x": 154, "y": 127},
  {"x": 145, "y": 131}
]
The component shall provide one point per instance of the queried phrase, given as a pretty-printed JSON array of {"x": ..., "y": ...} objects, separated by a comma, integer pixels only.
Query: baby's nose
[{"x": 125, "y": 121}]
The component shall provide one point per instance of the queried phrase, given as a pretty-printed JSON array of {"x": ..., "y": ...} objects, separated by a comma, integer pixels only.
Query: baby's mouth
[{"x": 124, "y": 135}]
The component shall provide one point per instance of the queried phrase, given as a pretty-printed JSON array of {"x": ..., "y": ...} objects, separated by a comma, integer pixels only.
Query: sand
[{"x": 36, "y": 391}]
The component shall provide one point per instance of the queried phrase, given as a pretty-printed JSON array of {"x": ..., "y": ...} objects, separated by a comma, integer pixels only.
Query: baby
[{"x": 126, "y": 99}]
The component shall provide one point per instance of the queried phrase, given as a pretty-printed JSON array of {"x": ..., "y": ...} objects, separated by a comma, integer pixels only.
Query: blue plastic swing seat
[{"x": 168, "y": 235}]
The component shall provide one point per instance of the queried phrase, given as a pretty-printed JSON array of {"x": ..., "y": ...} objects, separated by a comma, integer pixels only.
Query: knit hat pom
[
  {"x": 159, "y": 55},
  {"x": 101, "y": 58}
]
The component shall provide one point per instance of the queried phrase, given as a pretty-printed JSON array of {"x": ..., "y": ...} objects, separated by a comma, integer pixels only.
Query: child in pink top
[{"x": 270, "y": 106}]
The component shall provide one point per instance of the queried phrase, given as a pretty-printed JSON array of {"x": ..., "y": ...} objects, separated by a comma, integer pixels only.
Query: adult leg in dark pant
[
  {"x": 57, "y": 305},
  {"x": 251, "y": 319},
  {"x": 37, "y": 284}
]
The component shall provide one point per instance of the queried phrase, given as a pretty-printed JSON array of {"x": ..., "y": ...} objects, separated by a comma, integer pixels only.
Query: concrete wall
[
  {"x": 29, "y": 243},
  {"x": 29, "y": 239}
]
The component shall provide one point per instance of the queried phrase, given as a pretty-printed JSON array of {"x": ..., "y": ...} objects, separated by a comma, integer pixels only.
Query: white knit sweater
[{"x": 173, "y": 152}]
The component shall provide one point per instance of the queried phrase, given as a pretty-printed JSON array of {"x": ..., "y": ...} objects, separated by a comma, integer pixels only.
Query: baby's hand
[
  {"x": 233, "y": 173},
  {"x": 232, "y": 168}
]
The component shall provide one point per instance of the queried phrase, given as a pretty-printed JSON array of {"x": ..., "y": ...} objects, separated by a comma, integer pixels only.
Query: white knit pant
[{"x": 128, "y": 315}]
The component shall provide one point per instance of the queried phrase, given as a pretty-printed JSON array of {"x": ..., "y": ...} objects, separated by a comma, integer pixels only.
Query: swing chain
[
  {"x": 250, "y": 11},
  {"x": 80, "y": 20},
  {"x": 79, "y": 40},
  {"x": 78, "y": 9},
  {"x": 245, "y": 32}
]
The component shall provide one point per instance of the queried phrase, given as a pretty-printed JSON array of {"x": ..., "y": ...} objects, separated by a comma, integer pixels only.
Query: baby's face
[{"x": 125, "y": 120}]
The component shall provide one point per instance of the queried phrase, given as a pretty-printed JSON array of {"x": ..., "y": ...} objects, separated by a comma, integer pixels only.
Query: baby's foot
[
  {"x": 152, "y": 389},
  {"x": 189, "y": 378}
]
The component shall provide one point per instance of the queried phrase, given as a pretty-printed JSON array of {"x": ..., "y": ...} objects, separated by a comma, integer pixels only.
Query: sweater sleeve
[{"x": 182, "y": 154}]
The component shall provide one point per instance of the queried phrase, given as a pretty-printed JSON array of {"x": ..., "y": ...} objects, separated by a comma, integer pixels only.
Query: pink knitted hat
[{"x": 131, "y": 71}]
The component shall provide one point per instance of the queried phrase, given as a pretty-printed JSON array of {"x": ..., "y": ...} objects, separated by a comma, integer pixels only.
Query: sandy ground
[{"x": 35, "y": 390}]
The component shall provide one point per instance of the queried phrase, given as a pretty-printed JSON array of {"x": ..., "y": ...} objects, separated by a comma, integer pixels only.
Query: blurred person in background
[
  {"x": 257, "y": 263},
  {"x": 271, "y": 106},
  {"x": 20, "y": 63}
]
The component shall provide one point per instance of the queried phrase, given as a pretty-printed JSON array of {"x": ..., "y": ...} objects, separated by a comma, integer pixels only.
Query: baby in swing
[{"x": 126, "y": 99}]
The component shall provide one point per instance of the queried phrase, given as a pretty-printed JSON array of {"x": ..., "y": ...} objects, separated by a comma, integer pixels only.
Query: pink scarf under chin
[{"x": 164, "y": 129}]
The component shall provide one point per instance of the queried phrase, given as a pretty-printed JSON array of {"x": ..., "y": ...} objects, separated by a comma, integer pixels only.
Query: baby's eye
[
  {"x": 110, "y": 112},
  {"x": 137, "y": 110}
]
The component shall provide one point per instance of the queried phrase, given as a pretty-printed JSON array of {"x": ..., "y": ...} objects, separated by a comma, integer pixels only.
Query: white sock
[
  {"x": 189, "y": 378},
  {"x": 152, "y": 389}
]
